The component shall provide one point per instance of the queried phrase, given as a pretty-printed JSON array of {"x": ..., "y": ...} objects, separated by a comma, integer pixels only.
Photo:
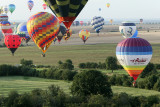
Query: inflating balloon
[
  {"x": 127, "y": 29},
  {"x": 30, "y": 4},
  {"x": 66, "y": 10},
  {"x": 12, "y": 7},
  {"x": 84, "y": 34},
  {"x": 97, "y": 23},
  {"x": 3, "y": 17},
  {"x": 6, "y": 28},
  {"x": 134, "y": 54},
  {"x": 12, "y": 42},
  {"x": 43, "y": 27}
]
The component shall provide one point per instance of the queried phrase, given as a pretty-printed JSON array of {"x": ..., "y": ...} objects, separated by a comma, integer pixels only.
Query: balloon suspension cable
[{"x": 12, "y": 54}]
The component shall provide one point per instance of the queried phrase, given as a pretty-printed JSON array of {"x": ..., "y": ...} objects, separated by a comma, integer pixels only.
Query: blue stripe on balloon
[
  {"x": 134, "y": 49},
  {"x": 133, "y": 53}
]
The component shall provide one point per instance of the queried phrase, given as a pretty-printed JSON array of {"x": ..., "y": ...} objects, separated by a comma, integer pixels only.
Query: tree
[
  {"x": 111, "y": 63},
  {"x": 26, "y": 62},
  {"x": 66, "y": 66},
  {"x": 69, "y": 61},
  {"x": 148, "y": 70},
  {"x": 91, "y": 82}
]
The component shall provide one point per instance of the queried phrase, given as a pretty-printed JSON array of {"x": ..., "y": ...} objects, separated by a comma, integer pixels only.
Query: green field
[
  {"x": 26, "y": 84},
  {"x": 77, "y": 53}
]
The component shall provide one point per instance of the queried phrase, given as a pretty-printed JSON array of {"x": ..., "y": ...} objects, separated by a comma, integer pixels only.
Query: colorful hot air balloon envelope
[
  {"x": 81, "y": 22},
  {"x": 30, "y": 4},
  {"x": 62, "y": 32},
  {"x": 84, "y": 34},
  {"x": 44, "y": 6},
  {"x": 66, "y": 10},
  {"x": 12, "y": 7},
  {"x": 5, "y": 9},
  {"x": 43, "y": 27},
  {"x": 3, "y": 17},
  {"x": 111, "y": 21},
  {"x": 23, "y": 32},
  {"x": 12, "y": 42},
  {"x": 134, "y": 54},
  {"x": 67, "y": 35},
  {"x": 108, "y": 5},
  {"x": 97, "y": 23},
  {"x": 6, "y": 28},
  {"x": 127, "y": 29}
]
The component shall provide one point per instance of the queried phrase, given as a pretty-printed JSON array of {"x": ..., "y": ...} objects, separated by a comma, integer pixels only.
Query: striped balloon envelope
[
  {"x": 30, "y": 4},
  {"x": 5, "y": 26},
  {"x": 134, "y": 54},
  {"x": 97, "y": 23}
]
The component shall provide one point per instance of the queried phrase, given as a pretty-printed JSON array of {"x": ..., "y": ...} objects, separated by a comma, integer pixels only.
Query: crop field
[{"x": 77, "y": 53}]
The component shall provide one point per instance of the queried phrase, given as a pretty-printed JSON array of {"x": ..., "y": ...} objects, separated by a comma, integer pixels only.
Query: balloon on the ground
[
  {"x": 66, "y": 10},
  {"x": 5, "y": 26},
  {"x": 12, "y": 42},
  {"x": 134, "y": 54},
  {"x": 111, "y": 21},
  {"x": 3, "y": 17},
  {"x": 30, "y": 4},
  {"x": 43, "y": 27},
  {"x": 141, "y": 20},
  {"x": 44, "y": 6},
  {"x": 84, "y": 34},
  {"x": 97, "y": 23},
  {"x": 127, "y": 29},
  {"x": 12, "y": 7}
]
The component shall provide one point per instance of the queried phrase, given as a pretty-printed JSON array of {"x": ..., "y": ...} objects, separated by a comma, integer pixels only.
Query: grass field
[
  {"x": 77, "y": 53},
  {"x": 26, "y": 84}
]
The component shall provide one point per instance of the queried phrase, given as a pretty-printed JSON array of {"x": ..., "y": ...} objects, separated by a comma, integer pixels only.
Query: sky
[{"x": 119, "y": 9}]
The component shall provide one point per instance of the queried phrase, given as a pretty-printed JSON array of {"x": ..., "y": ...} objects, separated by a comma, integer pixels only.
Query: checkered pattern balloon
[{"x": 43, "y": 27}]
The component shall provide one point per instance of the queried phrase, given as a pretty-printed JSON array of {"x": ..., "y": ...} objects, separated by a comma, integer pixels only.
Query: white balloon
[{"x": 127, "y": 29}]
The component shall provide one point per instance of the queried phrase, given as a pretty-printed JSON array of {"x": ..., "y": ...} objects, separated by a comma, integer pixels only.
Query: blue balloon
[{"x": 135, "y": 34}]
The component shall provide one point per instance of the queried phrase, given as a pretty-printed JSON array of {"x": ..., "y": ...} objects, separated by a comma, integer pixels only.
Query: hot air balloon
[
  {"x": 43, "y": 31},
  {"x": 100, "y": 9},
  {"x": 12, "y": 7},
  {"x": 55, "y": 39},
  {"x": 81, "y": 22},
  {"x": 127, "y": 29},
  {"x": 30, "y": 4},
  {"x": 3, "y": 17},
  {"x": 66, "y": 11},
  {"x": 141, "y": 20},
  {"x": 108, "y": 5},
  {"x": 97, "y": 23},
  {"x": 12, "y": 42},
  {"x": 5, "y": 9},
  {"x": 6, "y": 28},
  {"x": 62, "y": 32},
  {"x": 84, "y": 34},
  {"x": 23, "y": 32},
  {"x": 44, "y": 6},
  {"x": 134, "y": 54},
  {"x": 111, "y": 21},
  {"x": 67, "y": 35}
]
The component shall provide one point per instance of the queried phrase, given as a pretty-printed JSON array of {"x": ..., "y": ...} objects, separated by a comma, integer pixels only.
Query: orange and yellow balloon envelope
[{"x": 43, "y": 27}]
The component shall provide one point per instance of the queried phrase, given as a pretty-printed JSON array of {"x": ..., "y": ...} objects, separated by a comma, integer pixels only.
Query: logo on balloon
[{"x": 139, "y": 61}]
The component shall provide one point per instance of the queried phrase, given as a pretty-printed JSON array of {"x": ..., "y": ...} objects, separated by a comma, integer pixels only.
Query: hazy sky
[{"x": 119, "y": 9}]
